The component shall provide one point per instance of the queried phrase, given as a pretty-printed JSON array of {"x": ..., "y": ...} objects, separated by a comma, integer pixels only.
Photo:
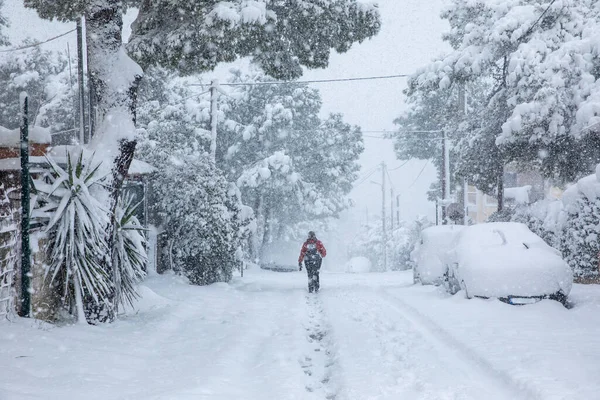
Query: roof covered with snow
[{"x": 59, "y": 154}]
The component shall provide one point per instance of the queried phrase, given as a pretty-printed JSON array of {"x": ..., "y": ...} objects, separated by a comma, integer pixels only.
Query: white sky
[{"x": 410, "y": 37}]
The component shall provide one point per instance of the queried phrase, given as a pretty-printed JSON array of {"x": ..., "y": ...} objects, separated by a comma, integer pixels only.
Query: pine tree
[
  {"x": 3, "y": 25},
  {"x": 290, "y": 164},
  {"x": 44, "y": 76},
  {"x": 544, "y": 97}
]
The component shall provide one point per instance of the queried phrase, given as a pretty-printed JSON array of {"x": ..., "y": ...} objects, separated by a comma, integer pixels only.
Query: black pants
[{"x": 312, "y": 270}]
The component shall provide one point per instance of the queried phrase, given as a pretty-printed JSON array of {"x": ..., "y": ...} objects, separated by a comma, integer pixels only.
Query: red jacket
[{"x": 320, "y": 248}]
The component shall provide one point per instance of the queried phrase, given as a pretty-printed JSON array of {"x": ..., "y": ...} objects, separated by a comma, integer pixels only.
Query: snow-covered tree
[
  {"x": 44, "y": 76},
  {"x": 171, "y": 137},
  {"x": 290, "y": 164},
  {"x": 194, "y": 36},
  {"x": 3, "y": 25},
  {"x": 540, "y": 58},
  {"x": 201, "y": 217}
]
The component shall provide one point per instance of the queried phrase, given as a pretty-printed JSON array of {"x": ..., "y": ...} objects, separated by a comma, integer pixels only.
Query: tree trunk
[
  {"x": 115, "y": 78},
  {"x": 500, "y": 188}
]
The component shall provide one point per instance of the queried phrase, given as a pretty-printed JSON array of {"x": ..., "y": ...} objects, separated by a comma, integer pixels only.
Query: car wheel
[
  {"x": 415, "y": 277},
  {"x": 560, "y": 297},
  {"x": 450, "y": 283}
]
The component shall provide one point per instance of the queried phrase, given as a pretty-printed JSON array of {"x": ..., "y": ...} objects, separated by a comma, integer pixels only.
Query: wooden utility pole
[
  {"x": 391, "y": 209},
  {"x": 445, "y": 177},
  {"x": 92, "y": 108},
  {"x": 462, "y": 108},
  {"x": 398, "y": 210},
  {"x": 383, "y": 222},
  {"x": 213, "y": 118},
  {"x": 25, "y": 247},
  {"x": 81, "y": 84}
]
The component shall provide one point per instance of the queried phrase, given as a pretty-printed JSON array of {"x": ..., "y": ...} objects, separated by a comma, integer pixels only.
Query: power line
[
  {"x": 418, "y": 176},
  {"x": 36, "y": 44},
  {"x": 364, "y": 78},
  {"x": 368, "y": 172},
  {"x": 365, "y": 178},
  {"x": 387, "y": 172},
  {"x": 400, "y": 166}
]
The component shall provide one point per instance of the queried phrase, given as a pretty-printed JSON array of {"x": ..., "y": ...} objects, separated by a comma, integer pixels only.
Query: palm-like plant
[
  {"x": 75, "y": 224},
  {"x": 129, "y": 252}
]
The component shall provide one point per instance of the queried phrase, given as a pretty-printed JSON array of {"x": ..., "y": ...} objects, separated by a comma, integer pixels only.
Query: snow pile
[{"x": 358, "y": 265}]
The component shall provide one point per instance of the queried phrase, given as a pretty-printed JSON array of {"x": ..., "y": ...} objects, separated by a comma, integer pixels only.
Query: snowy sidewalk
[{"x": 364, "y": 336}]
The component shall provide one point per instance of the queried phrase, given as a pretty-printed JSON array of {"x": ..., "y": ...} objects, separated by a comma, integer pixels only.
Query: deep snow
[{"x": 364, "y": 336}]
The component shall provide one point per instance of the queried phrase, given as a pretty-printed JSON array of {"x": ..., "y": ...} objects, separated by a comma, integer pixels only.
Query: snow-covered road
[{"x": 364, "y": 336}]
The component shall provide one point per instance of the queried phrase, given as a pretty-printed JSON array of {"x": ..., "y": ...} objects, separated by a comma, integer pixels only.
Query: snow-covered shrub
[
  {"x": 579, "y": 224},
  {"x": 541, "y": 218},
  {"x": 129, "y": 252},
  {"x": 75, "y": 224},
  {"x": 200, "y": 217},
  {"x": 579, "y": 239}
]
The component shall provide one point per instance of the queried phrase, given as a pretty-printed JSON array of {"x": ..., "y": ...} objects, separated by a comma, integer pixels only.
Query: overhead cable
[
  {"x": 364, "y": 78},
  {"x": 37, "y": 44}
]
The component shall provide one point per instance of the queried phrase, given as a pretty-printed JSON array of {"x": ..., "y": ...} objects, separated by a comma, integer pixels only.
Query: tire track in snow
[
  {"x": 318, "y": 358},
  {"x": 469, "y": 359},
  {"x": 385, "y": 354}
]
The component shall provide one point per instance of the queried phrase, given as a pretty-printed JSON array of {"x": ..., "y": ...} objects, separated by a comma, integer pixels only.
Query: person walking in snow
[{"x": 312, "y": 254}]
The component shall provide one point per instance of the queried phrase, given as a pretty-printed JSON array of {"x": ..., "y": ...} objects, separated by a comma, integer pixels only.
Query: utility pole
[
  {"x": 392, "y": 208},
  {"x": 213, "y": 118},
  {"x": 462, "y": 108},
  {"x": 398, "y": 210},
  {"x": 445, "y": 176},
  {"x": 81, "y": 84},
  {"x": 25, "y": 247},
  {"x": 384, "y": 234},
  {"x": 92, "y": 108}
]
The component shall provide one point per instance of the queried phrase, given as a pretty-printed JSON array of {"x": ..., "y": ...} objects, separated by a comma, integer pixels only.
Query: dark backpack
[{"x": 312, "y": 254}]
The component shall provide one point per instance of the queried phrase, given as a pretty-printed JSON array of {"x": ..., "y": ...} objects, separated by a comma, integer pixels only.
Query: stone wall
[{"x": 8, "y": 254}]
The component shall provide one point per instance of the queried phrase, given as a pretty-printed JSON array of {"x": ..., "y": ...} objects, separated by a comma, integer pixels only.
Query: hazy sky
[{"x": 410, "y": 37}]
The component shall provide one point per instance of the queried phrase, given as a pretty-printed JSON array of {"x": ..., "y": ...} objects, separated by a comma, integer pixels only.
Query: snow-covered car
[
  {"x": 505, "y": 260},
  {"x": 428, "y": 257}
]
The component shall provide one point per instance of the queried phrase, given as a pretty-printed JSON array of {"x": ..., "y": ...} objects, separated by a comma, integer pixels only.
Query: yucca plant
[
  {"x": 129, "y": 252},
  {"x": 75, "y": 227}
]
